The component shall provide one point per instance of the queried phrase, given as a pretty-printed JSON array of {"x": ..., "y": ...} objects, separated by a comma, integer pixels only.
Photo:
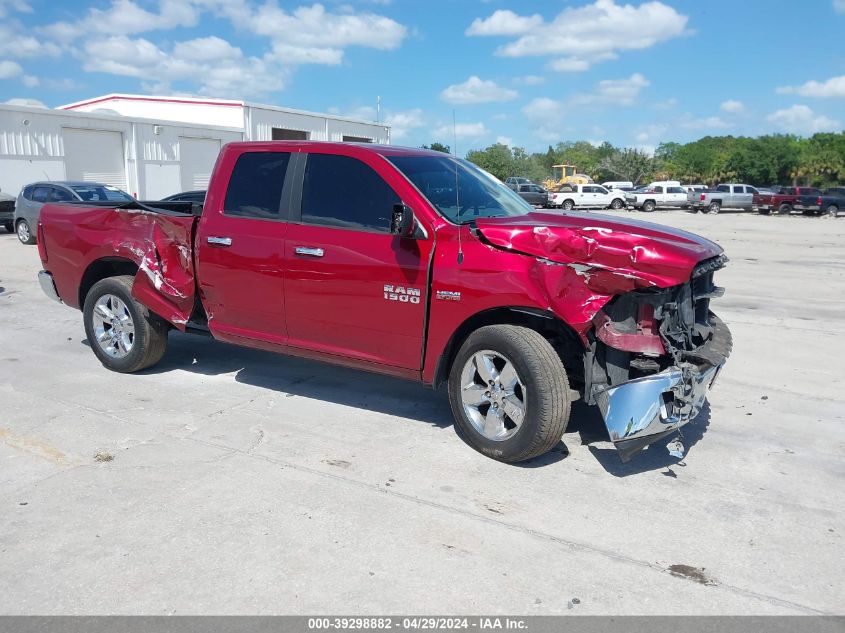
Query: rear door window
[
  {"x": 255, "y": 187},
  {"x": 60, "y": 195},
  {"x": 41, "y": 194},
  {"x": 343, "y": 192}
]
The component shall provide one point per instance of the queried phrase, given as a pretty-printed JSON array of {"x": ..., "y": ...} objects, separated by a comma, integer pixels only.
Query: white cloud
[
  {"x": 13, "y": 6},
  {"x": 505, "y": 140},
  {"x": 839, "y": 6},
  {"x": 125, "y": 17},
  {"x": 530, "y": 80},
  {"x": 833, "y": 87},
  {"x": 30, "y": 81},
  {"x": 615, "y": 91},
  {"x": 732, "y": 106},
  {"x": 542, "y": 109},
  {"x": 702, "y": 123},
  {"x": 227, "y": 73},
  {"x": 402, "y": 123},
  {"x": 584, "y": 35},
  {"x": 8, "y": 69},
  {"x": 309, "y": 34},
  {"x": 504, "y": 22},
  {"x": 668, "y": 104},
  {"x": 800, "y": 119},
  {"x": 477, "y": 90},
  {"x": 461, "y": 131}
]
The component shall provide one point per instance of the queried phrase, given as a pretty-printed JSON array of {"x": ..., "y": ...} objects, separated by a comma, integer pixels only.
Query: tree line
[{"x": 782, "y": 159}]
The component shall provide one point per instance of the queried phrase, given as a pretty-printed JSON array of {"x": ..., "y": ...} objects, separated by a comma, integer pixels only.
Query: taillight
[
  {"x": 819, "y": 201},
  {"x": 702, "y": 197},
  {"x": 42, "y": 247}
]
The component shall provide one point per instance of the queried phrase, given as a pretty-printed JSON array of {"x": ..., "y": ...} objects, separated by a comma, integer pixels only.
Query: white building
[
  {"x": 150, "y": 147},
  {"x": 258, "y": 122}
]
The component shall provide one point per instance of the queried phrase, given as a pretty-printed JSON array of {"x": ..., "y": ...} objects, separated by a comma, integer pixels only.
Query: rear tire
[
  {"x": 525, "y": 366},
  {"x": 832, "y": 210},
  {"x": 568, "y": 205},
  {"x": 24, "y": 232},
  {"x": 141, "y": 338},
  {"x": 648, "y": 206},
  {"x": 714, "y": 208},
  {"x": 785, "y": 209}
]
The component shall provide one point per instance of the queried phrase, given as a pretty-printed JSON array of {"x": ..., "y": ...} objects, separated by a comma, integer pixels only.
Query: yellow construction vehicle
[{"x": 566, "y": 175}]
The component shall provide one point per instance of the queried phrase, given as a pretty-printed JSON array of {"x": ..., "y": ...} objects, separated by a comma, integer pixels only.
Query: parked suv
[
  {"x": 514, "y": 181},
  {"x": 34, "y": 196},
  {"x": 534, "y": 195}
]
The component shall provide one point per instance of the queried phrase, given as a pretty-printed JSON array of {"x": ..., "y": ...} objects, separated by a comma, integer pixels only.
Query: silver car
[{"x": 34, "y": 196}]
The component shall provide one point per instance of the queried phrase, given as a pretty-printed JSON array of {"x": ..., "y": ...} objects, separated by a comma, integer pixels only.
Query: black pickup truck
[{"x": 830, "y": 201}]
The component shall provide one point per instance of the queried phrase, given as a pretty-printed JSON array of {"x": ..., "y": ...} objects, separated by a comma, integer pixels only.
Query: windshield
[
  {"x": 100, "y": 192},
  {"x": 459, "y": 190}
]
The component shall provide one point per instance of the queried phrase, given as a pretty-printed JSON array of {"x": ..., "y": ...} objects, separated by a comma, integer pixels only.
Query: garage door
[
  {"x": 95, "y": 156},
  {"x": 197, "y": 157}
]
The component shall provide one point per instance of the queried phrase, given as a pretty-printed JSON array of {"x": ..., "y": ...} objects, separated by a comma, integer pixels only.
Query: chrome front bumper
[
  {"x": 48, "y": 285},
  {"x": 643, "y": 410}
]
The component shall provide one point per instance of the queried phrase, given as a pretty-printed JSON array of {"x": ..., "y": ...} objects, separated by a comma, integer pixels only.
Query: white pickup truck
[
  {"x": 667, "y": 193},
  {"x": 587, "y": 197}
]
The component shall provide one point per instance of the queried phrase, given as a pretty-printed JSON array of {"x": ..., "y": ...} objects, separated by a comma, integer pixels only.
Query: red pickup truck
[
  {"x": 781, "y": 199},
  {"x": 410, "y": 263}
]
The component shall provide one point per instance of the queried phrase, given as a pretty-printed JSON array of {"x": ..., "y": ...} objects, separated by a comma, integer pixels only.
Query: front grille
[{"x": 709, "y": 265}]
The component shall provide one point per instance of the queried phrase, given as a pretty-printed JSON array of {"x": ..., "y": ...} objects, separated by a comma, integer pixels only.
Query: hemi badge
[{"x": 448, "y": 295}]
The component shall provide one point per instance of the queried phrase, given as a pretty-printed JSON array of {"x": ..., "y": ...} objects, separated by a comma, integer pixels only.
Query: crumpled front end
[{"x": 654, "y": 356}]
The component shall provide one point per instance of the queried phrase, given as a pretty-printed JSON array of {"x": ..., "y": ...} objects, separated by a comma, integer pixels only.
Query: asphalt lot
[{"x": 245, "y": 482}]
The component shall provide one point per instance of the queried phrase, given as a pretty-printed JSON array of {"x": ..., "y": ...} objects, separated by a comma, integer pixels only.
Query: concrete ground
[{"x": 245, "y": 482}]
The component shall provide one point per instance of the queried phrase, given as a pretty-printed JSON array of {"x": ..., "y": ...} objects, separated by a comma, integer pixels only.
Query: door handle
[
  {"x": 219, "y": 241},
  {"x": 307, "y": 250}
]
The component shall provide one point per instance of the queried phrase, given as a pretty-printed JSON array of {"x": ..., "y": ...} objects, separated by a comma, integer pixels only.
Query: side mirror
[{"x": 402, "y": 221}]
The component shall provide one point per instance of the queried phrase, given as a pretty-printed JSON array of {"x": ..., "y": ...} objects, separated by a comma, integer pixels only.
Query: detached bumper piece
[
  {"x": 45, "y": 279},
  {"x": 646, "y": 409}
]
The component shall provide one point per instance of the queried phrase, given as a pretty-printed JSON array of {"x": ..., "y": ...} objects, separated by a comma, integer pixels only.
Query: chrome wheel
[
  {"x": 114, "y": 331},
  {"x": 492, "y": 395},
  {"x": 24, "y": 234}
]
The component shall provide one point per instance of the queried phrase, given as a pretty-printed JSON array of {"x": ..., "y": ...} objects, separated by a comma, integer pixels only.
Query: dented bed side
[{"x": 159, "y": 244}]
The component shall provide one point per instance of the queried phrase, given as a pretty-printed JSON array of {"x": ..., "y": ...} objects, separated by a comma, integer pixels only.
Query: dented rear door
[{"x": 239, "y": 249}]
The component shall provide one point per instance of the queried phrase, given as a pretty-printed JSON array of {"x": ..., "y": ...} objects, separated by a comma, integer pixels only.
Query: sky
[{"x": 524, "y": 73}]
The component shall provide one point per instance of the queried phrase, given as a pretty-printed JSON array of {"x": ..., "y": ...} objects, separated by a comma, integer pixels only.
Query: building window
[
  {"x": 356, "y": 139},
  {"x": 283, "y": 134}
]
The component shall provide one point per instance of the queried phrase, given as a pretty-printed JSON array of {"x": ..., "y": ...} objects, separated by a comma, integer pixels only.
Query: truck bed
[{"x": 152, "y": 240}]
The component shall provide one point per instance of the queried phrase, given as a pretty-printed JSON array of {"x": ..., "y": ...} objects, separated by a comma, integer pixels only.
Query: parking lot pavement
[{"x": 237, "y": 481}]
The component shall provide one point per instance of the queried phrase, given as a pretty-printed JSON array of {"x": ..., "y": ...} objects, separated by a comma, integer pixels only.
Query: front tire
[
  {"x": 24, "y": 232},
  {"x": 616, "y": 204},
  {"x": 123, "y": 334},
  {"x": 509, "y": 393}
]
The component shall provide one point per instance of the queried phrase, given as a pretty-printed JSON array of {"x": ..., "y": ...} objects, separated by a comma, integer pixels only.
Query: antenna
[
  {"x": 457, "y": 187},
  {"x": 378, "y": 109}
]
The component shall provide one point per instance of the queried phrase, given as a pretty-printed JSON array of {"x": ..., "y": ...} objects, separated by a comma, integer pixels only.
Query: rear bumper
[
  {"x": 45, "y": 279},
  {"x": 641, "y": 411}
]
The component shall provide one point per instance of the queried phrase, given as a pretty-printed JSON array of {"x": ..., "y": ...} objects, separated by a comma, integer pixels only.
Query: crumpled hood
[{"x": 609, "y": 248}]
